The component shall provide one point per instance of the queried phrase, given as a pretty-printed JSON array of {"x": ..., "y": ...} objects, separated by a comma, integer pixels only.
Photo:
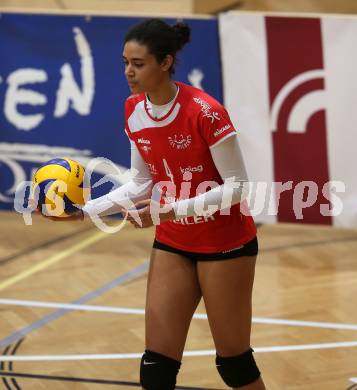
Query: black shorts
[{"x": 248, "y": 249}]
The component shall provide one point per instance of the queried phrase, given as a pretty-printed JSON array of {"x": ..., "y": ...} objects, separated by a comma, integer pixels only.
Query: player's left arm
[{"x": 218, "y": 131}]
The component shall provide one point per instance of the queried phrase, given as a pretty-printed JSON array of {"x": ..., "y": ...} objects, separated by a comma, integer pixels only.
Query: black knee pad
[
  {"x": 158, "y": 372},
  {"x": 238, "y": 371}
]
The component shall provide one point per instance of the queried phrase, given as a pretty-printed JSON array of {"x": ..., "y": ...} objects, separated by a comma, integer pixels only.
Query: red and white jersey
[{"x": 180, "y": 142}]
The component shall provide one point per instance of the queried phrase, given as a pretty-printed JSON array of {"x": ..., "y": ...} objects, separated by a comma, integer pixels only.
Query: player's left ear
[{"x": 167, "y": 63}]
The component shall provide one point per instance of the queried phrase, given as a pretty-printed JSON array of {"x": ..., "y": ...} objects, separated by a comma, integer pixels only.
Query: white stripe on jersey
[{"x": 139, "y": 119}]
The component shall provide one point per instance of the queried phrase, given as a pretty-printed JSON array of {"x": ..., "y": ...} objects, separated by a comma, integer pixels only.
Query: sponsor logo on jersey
[
  {"x": 152, "y": 169},
  {"x": 207, "y": 110},
  {"x": 145, "y": 148},
  {"x": 199, "y": 168},
  {"x": 194, "y": 220},
  {"x": 221, "y": 130},
  {"x": 144, "y": 141},
  {"x": 180, "y": 141}
]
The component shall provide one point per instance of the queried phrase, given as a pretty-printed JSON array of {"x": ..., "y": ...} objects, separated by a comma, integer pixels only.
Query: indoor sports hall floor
[{"x": 72, "y": 299}]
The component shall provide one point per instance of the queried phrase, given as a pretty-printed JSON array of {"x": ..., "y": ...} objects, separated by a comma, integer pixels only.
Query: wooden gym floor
[{"x": 72, "y": 299}]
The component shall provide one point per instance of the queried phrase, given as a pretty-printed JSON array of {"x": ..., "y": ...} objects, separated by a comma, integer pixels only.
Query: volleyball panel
[
  {"x": 51, "y": 172},
  {"x": 51, "y": 200}
]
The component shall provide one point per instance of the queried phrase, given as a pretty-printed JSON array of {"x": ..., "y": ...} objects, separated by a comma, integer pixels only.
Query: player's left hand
[
  {"x": 76, "y": 216},
  {"x": 149, "y": 213}
]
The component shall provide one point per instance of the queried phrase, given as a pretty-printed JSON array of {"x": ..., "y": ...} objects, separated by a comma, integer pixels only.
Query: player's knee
[
  {"x": 238, "y": 371},
  {"x": 158, "y": 372}
]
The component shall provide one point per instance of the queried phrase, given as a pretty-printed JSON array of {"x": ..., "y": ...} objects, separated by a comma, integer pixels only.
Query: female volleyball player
[{"x": 190, "y": 184}]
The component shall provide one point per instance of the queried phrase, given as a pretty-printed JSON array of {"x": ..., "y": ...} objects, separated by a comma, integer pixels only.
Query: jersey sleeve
[{"x": 215, "y": 125}]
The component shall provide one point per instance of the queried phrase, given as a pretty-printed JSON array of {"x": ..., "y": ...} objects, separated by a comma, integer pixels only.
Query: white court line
[
  {"x": 312, "y": 324},
  {"x": 122, "y": 310},
  {"x": 71, "y": 306},
  {"x": 209, "y": 352}
]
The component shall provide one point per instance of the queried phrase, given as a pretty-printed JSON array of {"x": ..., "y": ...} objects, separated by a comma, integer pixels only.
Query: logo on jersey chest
[
  {"x": 144, "y": 141},
  {"x": 145, "y": 148},
  {"x": 143, "y": 145},
  {"x": 180, "y": 141}
]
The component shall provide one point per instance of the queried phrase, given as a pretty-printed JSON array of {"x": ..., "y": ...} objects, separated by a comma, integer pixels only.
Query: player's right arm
[
  {"x": 125, "y": 196},
  {"x": 121, "y": 199}
]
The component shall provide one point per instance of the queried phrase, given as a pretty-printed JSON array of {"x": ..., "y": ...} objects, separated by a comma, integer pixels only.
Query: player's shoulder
[
  {"x": 135, "y": 97},
  {"x": 199, "y": 100},
  {"x": 132, "y": 101}
]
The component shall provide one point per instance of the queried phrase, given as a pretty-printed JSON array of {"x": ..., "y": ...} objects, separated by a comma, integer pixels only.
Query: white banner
[
  {"x": 340, "y": 43},
  {"x": 289, "y": 86}
]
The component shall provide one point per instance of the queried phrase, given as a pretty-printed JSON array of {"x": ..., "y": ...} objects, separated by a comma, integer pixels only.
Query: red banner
[{"x": 295, "y": 69}]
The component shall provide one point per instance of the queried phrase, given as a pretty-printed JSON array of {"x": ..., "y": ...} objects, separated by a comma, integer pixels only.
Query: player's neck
[{"x": 164, "y": 94}]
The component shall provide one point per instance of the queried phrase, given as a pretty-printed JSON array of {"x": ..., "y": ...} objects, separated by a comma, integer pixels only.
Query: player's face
[{"x": 143, "y": 72}]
